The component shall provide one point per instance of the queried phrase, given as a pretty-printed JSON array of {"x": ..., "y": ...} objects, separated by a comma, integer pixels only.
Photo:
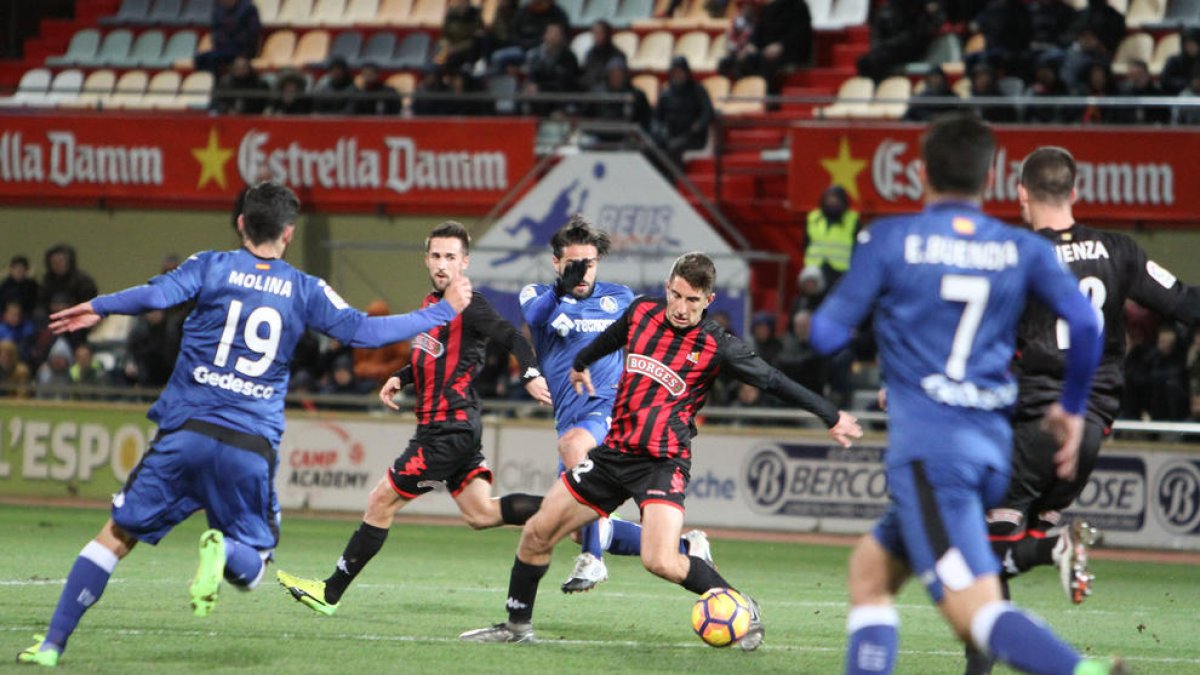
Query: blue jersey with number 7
[{"x": 947, "y": 287}]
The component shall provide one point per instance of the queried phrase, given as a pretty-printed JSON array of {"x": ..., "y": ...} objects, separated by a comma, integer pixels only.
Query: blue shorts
[
  {"x": 184, "y": 472},
  {"x": 936, "y": 524},
  {"x": 595, "y": 417}
]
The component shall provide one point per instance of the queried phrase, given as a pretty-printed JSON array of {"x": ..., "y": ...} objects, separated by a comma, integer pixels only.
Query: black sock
[
  {"x": 1005, "y": 536},
  {"x": 1043, "y": 551},
  {"x": 701, "y": 576},
  {"x": 516, "y": 508},
  {"x": 522, "y": 590},
  {"x": 363, "y": 545}
]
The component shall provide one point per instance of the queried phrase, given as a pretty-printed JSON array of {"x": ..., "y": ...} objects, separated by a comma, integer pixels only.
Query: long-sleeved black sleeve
[
  {"x": 1156, "y": 288},
  {"x": 483, "y": 319},
  {"x": 613, "y": 338},
  {"x": 405, "y": 374},
  {"x": 748, "y": 367}
]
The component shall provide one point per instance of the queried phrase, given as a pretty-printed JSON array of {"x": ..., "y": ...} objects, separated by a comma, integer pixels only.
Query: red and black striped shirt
[
  {"x": 668, "y": 372},
  {"x": 446, "y": 359}
]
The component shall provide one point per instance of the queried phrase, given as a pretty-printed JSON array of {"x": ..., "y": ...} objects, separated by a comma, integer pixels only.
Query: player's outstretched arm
[
  {"x": 75, "y": 318},
  {"x": 376, "y": 331},
  {"x": 613, "y": 338}
]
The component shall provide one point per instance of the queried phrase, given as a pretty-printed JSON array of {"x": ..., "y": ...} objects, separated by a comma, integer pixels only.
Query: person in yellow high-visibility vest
[{"x": 832, "y": 228}]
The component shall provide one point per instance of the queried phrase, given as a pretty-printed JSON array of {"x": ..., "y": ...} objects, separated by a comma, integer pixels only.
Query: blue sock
[
  {"x": 243, "y": 564},
  {"x": 1017, "y": 639},
  {"x": 85, "y": 584},
  {"x": 590, "y": 535},
  {"x": 626, "y": 538},
  {"x": 874, "y": 639}
]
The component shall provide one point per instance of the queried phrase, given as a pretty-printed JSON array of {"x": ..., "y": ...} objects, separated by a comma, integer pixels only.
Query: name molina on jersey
[{"x": 262, "y": 282}]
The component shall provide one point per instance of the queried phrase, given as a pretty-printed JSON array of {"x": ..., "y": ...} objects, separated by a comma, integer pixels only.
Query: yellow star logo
[
  {"x": 212, "y": 160},
  {"x": 844, "y": 169}
]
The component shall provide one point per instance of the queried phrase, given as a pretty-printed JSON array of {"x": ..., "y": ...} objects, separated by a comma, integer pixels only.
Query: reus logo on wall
[
  {"x": 1177, "y": 496},
  {"x": 814, "y": 480},
  {"x": 1114, "y": 498}
]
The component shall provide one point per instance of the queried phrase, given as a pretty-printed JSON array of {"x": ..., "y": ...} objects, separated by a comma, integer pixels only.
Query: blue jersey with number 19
[
  {"x": 233, "y": 363},
  {"x": 947, "y": 287}
]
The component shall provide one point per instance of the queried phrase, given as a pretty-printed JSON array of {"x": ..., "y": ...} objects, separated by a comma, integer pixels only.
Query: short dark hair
[
  {"x": 451, "y": 229},
  {"x": 578, "y": 231},
  {"x": 267, "y": 209},
  {"x": 957, "y": 151},
  {"x": 1048, "y": 173},
  {"x": 697, "y": 269},
  {"x": 19, "y": 260}
]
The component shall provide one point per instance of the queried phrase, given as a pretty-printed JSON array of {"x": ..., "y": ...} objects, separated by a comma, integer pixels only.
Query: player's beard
[{"x": 585, "y": 293}]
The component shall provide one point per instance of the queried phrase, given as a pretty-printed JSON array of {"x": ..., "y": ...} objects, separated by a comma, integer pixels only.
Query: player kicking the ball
[{"x": 673, "y": 352}]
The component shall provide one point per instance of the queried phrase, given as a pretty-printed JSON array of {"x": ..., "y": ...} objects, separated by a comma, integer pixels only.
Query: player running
[
  {"x": 947, "y": 287},
  {"x": 563, "y": 318},
  {"x": 673, "y": 352},
  {"x": 220, "y": 416},
  {"x": 446, "y": 447},
  {"x": 1111, "y": 268}
]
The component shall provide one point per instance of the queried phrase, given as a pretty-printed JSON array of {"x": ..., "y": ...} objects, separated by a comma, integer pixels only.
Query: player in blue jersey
[
  {"x": 220, "y": 416},
  {"x": 947, "y": 287},
  {"x": 563, "y": 318}
]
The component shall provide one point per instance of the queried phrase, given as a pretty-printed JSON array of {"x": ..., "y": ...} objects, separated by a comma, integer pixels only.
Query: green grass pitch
[{"x": 432, "y": 582}]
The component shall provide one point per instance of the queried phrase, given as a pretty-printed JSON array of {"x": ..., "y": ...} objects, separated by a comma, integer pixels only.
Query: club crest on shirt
[
  {"x": 657, "y": 371},
  {"x": 694, "y": 358},
  {"x": 430, "y": 345},
  {"x": 608, "y": 304}
]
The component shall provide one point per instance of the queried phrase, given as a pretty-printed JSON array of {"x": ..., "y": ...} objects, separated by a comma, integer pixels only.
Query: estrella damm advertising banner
[
  {"x": 1123, "y": 175},
  {"x": 50, "y": 450},
  {"x": 333, "y": 164}
]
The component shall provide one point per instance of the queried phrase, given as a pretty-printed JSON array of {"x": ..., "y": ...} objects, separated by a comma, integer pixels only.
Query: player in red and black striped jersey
[
  {"x": 673, "y": 352},
  {"x": 446, "y": 447}
]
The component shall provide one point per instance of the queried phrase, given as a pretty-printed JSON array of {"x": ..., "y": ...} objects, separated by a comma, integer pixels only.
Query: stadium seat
[
  {"x": 97, "y": 85},
  {"x": 717, "y": 87},
  {"x": 1181, "y": 14},
  {"x": 114, "y": 50},
  {"x": 346, "y": 45},
  {"x": 595, "y": 10},
  {"x": 1145, "y": 12},
  {"x": 853, "y": 97},
  {"x": 694, "y": 47},
  {"x": 413, "y": 52},
  {"x": 195, "y": 13},
  {"x": 360, "y": 13},
  {"x": 944, "y": 51},
  {"x": 65, "y": 87},
  {"x": 312, "y": 49},
  {"x": 164, "y": 13},
  {"x": 129, "y": 13},
  {"x": 404, "y": 84},
  {"x": 181, "y": 45},
  {"x": 962, "y": 88},
  {"x": 1121, "y": 6},
  {"x": 161, "y": 92},
  {"x": 975, "y": 44},
  {"x": 393, "y": 12},
  {"x": 649, "y": 86},
  {"x": 82, "y": 49},
  {"x": 626, "y": 41},
  {"x": 325, "y": 13},
  {"x": 504, "y": 88},
  {"x": 581, "y": 44},
  {"x": 629, "y": 11},
  {"x": 268, "y": 11},
  {"x": 1168, "y": 46},
  {"x": 196, "y": 90},
  {"x": 426, "y": 13},
  {"x": 653, "y": 52},
  {"x": 204, "y": 45},
  {"x": 747, "y": 87},
  {"x": 128, "y": 90},
  {"x": 822, "y": 14},
  {"x": 656, "y": 17},
  {"x": 380, "y": 49},
  {"x": 31, "y": 90},
  {"x": 716, "y": 51},
  {"x": 692, "y": 14},
  {"x": 146, "y": 49},
  {"x": 847, "y": 13},
  {"x": 1135, "y": 47},
  {"x": 891, "y": 98},
  {"x": 294, "y": 12},
  {"x": 1011, "y": 86},
  {"x": 573, "y": 10},
  {"x": 277, "y": 50},
  {"x": 488, "y": 9}
]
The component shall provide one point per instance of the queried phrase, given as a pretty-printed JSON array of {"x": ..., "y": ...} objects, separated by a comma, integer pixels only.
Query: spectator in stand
[
  {"x": 64, "y": 278},
  {"x": 54, "y": 376},
  {"x": 797, "y": 358},
  {"x": 342, "y": 382},
  {"x": 433, "y": 81},
  {"x": 236, "y": 31},
  {"x": 551, "y": 68},
  {"x": 151, "y": 349},
  {"x": 20, "y": 286},
  {"x": 1180, "y": 68},
  {"x": 529, "y": 31},
  {"x": 86, "y": 371},
  {"x": 375, "y": 97},
  {"x": 377, "y": 365},
  {"x": 290, "y": 97},
  {"x": 335, "y": 89},
  {"x": 737, "y": 37},
  {"x": 1007, "y": 31},
  {"x": 1050, "y": 23},
  {"x": 1104, "y": 20},
  {"x": 1099, "y": 83},
  {"x": 985, "y": 87},
  {"x": 600, "y": 56},
  {"x": 17, "y": 328},
  {"x": 1160, "y": 370},
  {"x": 934, "y": 85},
  {"x": 830, "y": 234},
  {"x": 636, "y": 110},
  {"x": 240, "y": 91},
  {"x": 1046, "y": 84},
  {"x": 781, "y": 38},
  {"x": 900, "y": 33},
  {"x": 462, "y": 28},
  {"x": 812, "y": 287},
  {"x": 762, "y": 337},
  {"x": 1189, "y": 115},
  {"x": 1139, "y": 82},
  {"x": 684, "y": 113},
  {"x": 1087, "y": 51},
  {"x": 45, "y": 338},
  {"x": 502, "y": 32},
  {"x": 750, "y": 397},
  {"x": 14, "y": 373}
]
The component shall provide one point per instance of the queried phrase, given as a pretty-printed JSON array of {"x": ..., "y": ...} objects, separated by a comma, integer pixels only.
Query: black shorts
[
  {"x": 1034, "y": 486},
  {"x": 608, "y": 477},
  {"x": 453, "y": 456}
]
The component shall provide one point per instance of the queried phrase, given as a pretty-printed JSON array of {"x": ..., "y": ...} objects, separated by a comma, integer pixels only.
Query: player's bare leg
[
  {"x": 589, "y": 569},
  {"x": 481, "y": 510}
]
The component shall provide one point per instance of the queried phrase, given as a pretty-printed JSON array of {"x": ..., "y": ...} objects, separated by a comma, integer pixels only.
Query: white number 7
[
  {"x": 974, "y": 292},
  {"x": 267, "y": 346}
]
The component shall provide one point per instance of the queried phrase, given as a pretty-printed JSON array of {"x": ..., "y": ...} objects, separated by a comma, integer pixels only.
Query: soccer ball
[{"x": 721, "y": 617}]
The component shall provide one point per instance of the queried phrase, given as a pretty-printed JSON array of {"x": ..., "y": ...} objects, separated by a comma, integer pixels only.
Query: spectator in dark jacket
[
  {"x": 781, "y": 37},
  {"x": 335, "y": 89},
  {"x": 1189, "y": 115},
  {"x": 1139, "y": 82},
  {"x": 683, "y": 114},
  {"x": 1046, "y": 83},
  {"x": 529, "y": 29},
  {"x": 636, "y": 110},
  {"x": 552, "y": 68},
  {"x": 241, "y": 90},
  {"x": 1107, "y": 22},
  {"x": 935, "y": 86},
  {"x": 63, "y": 277},
  {"x": 1099, "y": 83},
  {"x": 1007, "y": 31},
  {"x": 461, "y": 29},
  {"x": 236, "y": 31},
  {"x": 985, "y": 87},
  {"x": 599, "y": 56},
  {"x": 1050, "y": 22},
  {"x": 19, "y": 286},
  {"x": 1087, "y": 51},
  {"x": 900, "y": 32},
  {"x": 1177, "y": 72},
  {"x": 290, "y": 97},
  {"x": 375, "y": 98}
]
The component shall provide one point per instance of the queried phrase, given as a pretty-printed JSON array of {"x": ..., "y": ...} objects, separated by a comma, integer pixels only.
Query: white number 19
[
  {"x": 266, "y": 346},
  {"x": 974, "y": 292}
]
